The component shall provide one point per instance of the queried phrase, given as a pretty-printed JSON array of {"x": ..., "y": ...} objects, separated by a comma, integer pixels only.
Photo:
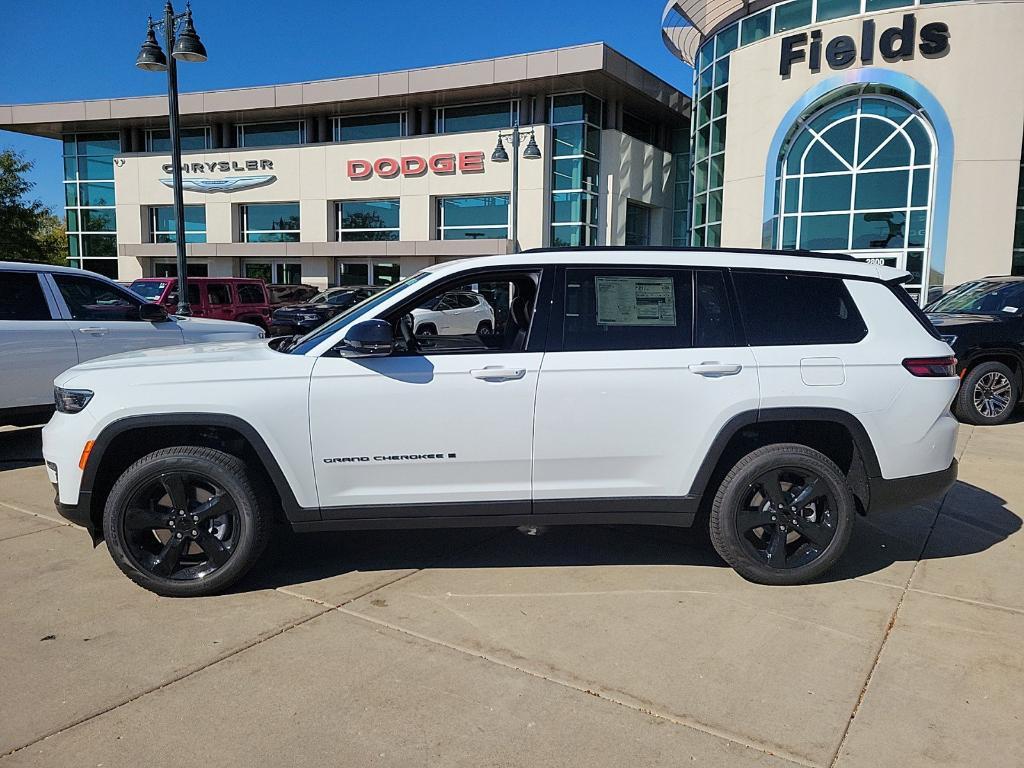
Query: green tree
[{"x": 28, "y": 229}]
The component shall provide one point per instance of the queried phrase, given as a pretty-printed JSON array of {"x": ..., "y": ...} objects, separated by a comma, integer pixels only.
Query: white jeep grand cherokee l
[{"x": 774, "y": 396}]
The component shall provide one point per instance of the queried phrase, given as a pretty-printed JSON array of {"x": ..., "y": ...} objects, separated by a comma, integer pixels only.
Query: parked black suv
[
  {"x": 302, "y": 318},
  {"x": 983, "y": 321}
]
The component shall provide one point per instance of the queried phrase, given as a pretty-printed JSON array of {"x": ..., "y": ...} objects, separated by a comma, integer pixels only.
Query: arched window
[{"x": 856, "y": 176}]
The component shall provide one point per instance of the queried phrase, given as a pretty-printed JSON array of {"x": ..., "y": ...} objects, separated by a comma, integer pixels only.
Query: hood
[
  {"x": 953, "y": 319},
  {"x": 178, "y": 358},
  {"x": 208, "y": 329}
]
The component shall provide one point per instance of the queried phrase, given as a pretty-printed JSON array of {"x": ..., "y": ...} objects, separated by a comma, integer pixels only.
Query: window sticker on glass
[
  {"x": 1009, "y": 309},
  {"x": 635, "y": 301}
]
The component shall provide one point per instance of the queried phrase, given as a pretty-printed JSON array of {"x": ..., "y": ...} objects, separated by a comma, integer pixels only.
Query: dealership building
[
  {"x": 365, "y": 179},
  {"x": 888, "y": 129}
]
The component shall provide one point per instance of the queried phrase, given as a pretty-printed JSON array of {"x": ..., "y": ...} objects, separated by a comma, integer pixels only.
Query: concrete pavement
[{"x": 583, "y": 646}]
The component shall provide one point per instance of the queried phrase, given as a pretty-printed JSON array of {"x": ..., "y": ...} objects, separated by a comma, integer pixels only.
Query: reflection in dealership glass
[{"x": 986, "y": 297}]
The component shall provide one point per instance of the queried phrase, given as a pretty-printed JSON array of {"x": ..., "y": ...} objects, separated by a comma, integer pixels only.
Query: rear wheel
[
  {"x": 783, "y": 515},
  {"x": 185, "y": 521},
  {"x": 987, "y": 394},
  {"x": 484, "y": 328}
]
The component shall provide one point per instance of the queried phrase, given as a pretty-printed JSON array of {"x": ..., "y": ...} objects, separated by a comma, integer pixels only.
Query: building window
[
  {"x": 273, "y": 272},
  {"x": 856, "y": 176},
  {"x": 1017, "y": 266},
  {"x": 170, "y": 269},
  {"x": 638, "y": 224},
  {"x": 576, "y": 120},
  {"x": 89, "y": 201},
  {"x": 681, "y": 199},
  {"x": 272, "y": 134},
  {"x": 708, "y": 129},
  {"x": 477, "y": 117},
  {"x": 477, "y": 217},
  {"x": 159, "y": 139},
  {"x": 385, "y": 125},
  {"x": 367, "y": 220},
  {"x": 637, "y": 128},
  {"x": 162, "y": 229},
  {"x": 270, "y": 223}
]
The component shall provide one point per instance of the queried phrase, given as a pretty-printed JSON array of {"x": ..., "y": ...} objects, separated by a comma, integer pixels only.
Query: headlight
[
  {"x": 951, "y": 340},
  {"x": 71, "y": 400}
]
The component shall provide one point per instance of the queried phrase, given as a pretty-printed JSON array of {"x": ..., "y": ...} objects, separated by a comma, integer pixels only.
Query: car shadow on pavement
[
  {"x": 21, "y": 448},
  {"x": 900, "y": 536}
]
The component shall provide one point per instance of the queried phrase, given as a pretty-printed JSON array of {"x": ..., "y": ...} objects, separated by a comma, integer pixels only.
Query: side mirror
[
  {"x": 152, "y": 313},
  {"x": 369, "y": 338}
]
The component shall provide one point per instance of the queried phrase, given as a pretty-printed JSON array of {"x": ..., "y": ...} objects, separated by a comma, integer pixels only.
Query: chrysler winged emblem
[{"x": 229, "y": 184}]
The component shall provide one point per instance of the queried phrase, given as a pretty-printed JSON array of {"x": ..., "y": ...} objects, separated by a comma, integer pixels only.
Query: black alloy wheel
[
  {"x": 782, "y": 515},
  {"x": 186, "y": 521},
  {"x": 181, "y": 526},
  {"x": 788, "y": 518}
]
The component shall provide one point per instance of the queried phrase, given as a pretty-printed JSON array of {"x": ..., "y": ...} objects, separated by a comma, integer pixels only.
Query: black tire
[
  {"x": 783, "y": 515},
  {"x": 223, "y": 531},
  {"x": 988, "y": 394},
  {"x": 484, "y": 328},
  {"x": 427, "y": 329}
]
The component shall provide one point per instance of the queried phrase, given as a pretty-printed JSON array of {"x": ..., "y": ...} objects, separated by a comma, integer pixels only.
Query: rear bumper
[{"x": 901, "y": 492}]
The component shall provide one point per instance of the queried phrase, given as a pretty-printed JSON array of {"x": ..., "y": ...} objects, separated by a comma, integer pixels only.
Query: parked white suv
[
  {"x": 454, "y": 313},
  {"x": 775, "y": 396},
  {"x": 52, "y": 318}
]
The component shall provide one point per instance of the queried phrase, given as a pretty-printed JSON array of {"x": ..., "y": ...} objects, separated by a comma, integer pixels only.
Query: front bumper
[
  {"x": 79, "y": 514},
  {"x": 901, "y": 492}
]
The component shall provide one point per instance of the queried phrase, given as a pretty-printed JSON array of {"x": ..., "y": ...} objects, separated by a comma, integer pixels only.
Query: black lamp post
[
  {"x": 532, "y": 152},
  {"x": 187, "y": 47}
]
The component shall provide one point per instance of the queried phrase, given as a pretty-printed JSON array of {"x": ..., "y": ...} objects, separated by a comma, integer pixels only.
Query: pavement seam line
[
  {"x": 166, "y": 683},
  {"x": 685, "y": 722},
  {"x": 969, "y": 601},
  {"x": 892, "y": 623},
  {"x": 36, "y": 514},
  {"x": 29, "y": 533}
]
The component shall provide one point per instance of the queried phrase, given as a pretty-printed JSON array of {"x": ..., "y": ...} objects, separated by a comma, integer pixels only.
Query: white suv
[
  {"x": 52, "y": 318},
  {"x": 774, "y": 396}
]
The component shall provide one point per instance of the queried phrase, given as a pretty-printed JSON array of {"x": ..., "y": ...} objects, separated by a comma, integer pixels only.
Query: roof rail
[{"x": 689, "y": 249}]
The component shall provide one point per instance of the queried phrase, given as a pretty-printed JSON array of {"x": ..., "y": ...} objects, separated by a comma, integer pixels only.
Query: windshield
[
  {"x": 983, "y": 296},
  {"x": 314, "y": 337},
  {"x": 150, "y": 291}
]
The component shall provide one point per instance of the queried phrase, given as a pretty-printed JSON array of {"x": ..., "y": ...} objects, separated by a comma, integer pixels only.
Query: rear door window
[
  {"x": 788, "y": 309},
  {"x": 21, "y": 297},
  {"x": 218, "y": 293},
  {"x": 714, "y": 325},
  {"x": 627, "y": 308},
  {"x": 249, "y": 293}
]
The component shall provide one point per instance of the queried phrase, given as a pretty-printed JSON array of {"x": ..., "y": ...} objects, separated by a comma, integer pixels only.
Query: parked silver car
[{"x": 52, "y": 318}]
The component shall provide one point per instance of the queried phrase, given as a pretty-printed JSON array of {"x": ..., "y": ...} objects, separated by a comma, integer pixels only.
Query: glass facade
[
  {"x": 368, "y": 220},
  {"x": 855, "y": 175},
  {"x": 89, "y": 200},
  {"x": 477, "y": 117},
  {"x": 681, "y": 193},
  {"x": 576, "y": 120},
  {"x": 162, "y": 229},
  {"x": 385, "y": 125},
  {"x": 474, "y": 217},
  {"x": 1018, "y": 231},
  {"x": 711, "y": 104},
  {"x": 271, "y": 134},
  {"x": 159, "y": 139},
  {"x": 270, "y": 223}
]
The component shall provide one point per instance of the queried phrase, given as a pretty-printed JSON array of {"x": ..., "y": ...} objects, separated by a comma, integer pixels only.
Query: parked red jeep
[{"x": 222, "y": 298}]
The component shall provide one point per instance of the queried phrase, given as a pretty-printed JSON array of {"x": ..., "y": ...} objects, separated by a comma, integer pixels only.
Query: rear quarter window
[{"x": 789, "y": 309}]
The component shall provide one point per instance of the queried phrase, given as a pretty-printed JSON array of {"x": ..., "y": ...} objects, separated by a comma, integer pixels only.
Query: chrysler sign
[
  {"x": 221, "y": 183},
  {"x": 444, "y": 164}
]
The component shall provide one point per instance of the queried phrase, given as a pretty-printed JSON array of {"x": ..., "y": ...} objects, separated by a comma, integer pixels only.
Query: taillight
[{"x": 931, "y": 367}]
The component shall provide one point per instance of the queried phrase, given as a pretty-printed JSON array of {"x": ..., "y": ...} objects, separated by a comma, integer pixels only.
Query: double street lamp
[
  {"x": 183, "y": 43},
  {"x": 532, "y": 152}
]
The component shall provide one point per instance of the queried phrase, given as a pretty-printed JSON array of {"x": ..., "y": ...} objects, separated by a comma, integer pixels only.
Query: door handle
[
  {"x": 715, "y": 369},
  {"x": 497, "y": 373},
  {"x": 93, "y": 331}
]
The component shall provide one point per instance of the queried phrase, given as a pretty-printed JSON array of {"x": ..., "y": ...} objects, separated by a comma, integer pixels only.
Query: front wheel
[
  {"x": 987, "y": 394},
  {"x": 185, "y": 521},
  {"x": 783, "y": 515}
]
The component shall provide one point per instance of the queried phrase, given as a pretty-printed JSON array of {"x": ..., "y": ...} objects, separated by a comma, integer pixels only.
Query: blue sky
[{"x": 56, "y": 51}]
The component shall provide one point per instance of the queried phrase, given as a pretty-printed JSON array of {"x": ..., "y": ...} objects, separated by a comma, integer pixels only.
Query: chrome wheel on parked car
[
  {"x": 988, "y": 394},
  {"x": 992, "y": 394}
]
